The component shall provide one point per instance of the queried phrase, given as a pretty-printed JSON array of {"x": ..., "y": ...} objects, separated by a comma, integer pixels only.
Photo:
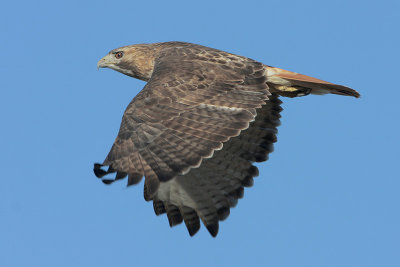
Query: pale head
[{"x": 135, "y": 60}]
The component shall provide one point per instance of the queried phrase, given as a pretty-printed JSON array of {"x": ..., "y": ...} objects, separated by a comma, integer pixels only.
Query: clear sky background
[{"x": 328, "y": 196}]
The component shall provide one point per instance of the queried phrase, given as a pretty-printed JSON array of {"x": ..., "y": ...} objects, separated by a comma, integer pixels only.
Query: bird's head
[{"x": 136, "y": 61}]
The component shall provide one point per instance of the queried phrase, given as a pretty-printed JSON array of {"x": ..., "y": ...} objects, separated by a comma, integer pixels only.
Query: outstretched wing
[
  {"x": 208, "y": 192},
  {"x": 197, "y": 99}
]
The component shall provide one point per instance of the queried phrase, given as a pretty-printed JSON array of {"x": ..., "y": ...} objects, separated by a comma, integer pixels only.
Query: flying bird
[{"x": 195, "y": 130}]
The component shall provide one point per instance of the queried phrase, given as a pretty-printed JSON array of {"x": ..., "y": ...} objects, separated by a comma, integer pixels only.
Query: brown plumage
[{"x": 197, "y": 126}]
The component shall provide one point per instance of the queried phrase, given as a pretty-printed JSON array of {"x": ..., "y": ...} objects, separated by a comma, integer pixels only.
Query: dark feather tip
[
  {"x": 247, "y": 181},
  {"x": 193, "y": 229},
  {"x": 239, "y": 192},
  {"x": 253, "y": 171},
  {"x": 174, "y": 219},
  {"x": 98, "y": 171},
  {"x": 107, "y": 181},
  {"x": 97, "y": 165},
  {"x": 146, "y": 194},
  {"x": 159, "y": 207},
  {"x": 223, "y": 213},
  {"x": 261, "y": 157},
  {"x": 213, "y": 229}
]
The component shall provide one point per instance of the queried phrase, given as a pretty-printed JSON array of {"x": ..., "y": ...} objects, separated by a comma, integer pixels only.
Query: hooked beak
[
  {"x": 105, "y": 62},
  {"x": 101, "y": 63}
]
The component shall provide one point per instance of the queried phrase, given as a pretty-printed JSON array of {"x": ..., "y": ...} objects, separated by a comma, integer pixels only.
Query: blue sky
[{"x": 328, "y": 196}]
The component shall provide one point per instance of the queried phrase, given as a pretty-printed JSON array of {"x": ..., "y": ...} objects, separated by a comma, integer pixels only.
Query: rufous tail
[{"x": 292, "y": 84}]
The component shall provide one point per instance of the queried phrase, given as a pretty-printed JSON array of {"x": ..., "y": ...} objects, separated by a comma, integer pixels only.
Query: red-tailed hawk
[{"x": 195, "y": 130}]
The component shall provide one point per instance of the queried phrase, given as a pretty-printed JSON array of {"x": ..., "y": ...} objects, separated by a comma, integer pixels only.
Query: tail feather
[{"x": 293, "y": 84}]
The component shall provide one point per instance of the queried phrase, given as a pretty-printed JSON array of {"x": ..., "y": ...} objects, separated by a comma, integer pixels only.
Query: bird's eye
[{"x": 119, "y": 54}]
